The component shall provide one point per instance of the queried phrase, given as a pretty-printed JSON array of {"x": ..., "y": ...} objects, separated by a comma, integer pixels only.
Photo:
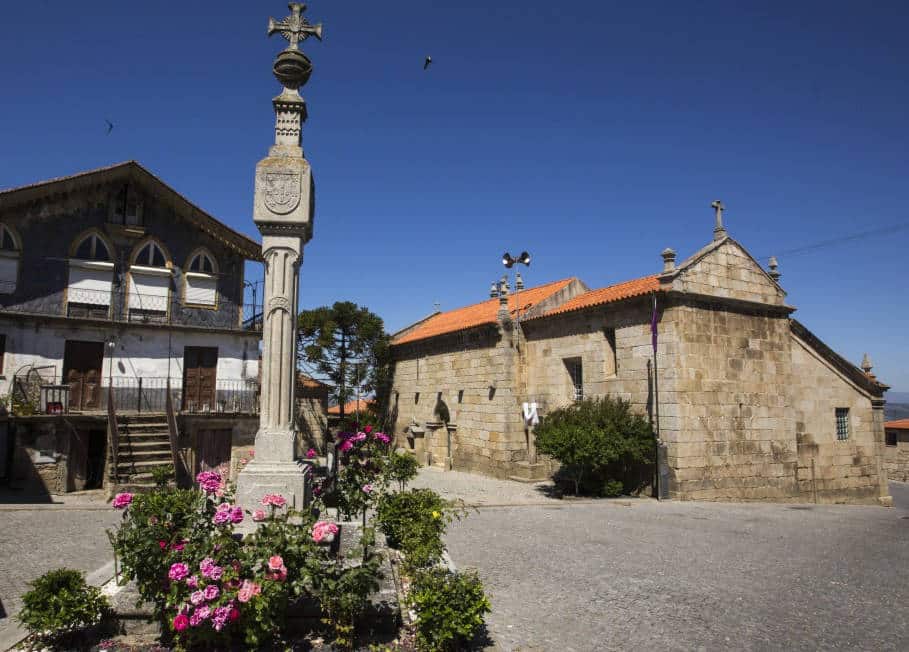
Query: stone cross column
[{"x": 283, "y": 212}]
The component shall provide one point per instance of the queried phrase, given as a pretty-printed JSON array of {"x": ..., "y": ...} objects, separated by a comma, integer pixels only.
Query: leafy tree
[
  {"x": 601, "y": 444},
  {"x": 348, "y": 344}
]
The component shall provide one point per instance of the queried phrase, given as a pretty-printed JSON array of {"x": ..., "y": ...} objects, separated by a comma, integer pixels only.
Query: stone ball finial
[
  {"x": 866, "y": 364},
  {"x": 494, "y": 290},
  {"x": 774, "y": 269},
  {"x": 668, "y": 255},
  {"x": 292, "y": 69}
]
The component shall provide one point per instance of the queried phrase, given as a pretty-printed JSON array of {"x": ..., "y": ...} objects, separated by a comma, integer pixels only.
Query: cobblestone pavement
[
  {"x": 35, "y": 538},
  {"x": 611, "y": 575}
]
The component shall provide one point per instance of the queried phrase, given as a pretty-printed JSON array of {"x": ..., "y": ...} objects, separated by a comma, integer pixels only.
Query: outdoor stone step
[
  {"x": 144, "y": 428},
  {"x": 148, "y": 444},
  {"x": 145, "y": 464},
  {"x": 141, "y": 456}
]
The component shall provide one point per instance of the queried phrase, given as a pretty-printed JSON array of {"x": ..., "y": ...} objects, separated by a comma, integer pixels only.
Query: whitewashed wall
[{"x": 145, "y": 352}]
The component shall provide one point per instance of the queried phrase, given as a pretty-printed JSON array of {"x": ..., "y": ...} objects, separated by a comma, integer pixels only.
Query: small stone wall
[{"x": 896, "y": 458}]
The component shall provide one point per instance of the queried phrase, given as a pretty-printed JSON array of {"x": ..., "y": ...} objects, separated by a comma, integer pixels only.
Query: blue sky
[{"x": 591, "y": 134}]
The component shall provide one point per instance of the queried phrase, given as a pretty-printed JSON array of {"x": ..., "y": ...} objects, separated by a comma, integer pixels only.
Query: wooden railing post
[
  {"x": 173, "y": 435},
  {"x": 139, "y": 397}
]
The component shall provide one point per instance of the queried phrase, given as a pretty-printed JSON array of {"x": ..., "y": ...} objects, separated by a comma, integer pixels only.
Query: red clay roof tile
[{"x": 626, "y": 290}]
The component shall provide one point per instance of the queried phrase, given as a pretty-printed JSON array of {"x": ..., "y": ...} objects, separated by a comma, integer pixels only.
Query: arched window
[
  {"x": 92, "y": 247},
  {"x": 149, "y": 283},
  {"x": 200, "y": 283},
  {"x": 10, "y": 251},
  {"x": 8, "y": 241},
  {"x": 150, "y": 256},
  {"x": 91, "y": 276},
  {"x": 202, "y": 262}
]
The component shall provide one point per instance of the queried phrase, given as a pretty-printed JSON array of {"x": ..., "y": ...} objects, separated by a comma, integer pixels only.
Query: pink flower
[
  {"x": 248, "y": 591},
  {"x": 367, "y": 488},
  {"x": 275, "y": 562},
  {"x": 311, "y": 453},
  {"x": 122, "y": 500},
  {"x": 211, "y": 592},
  {"x": 259, "y": 515},
  {"x": 361, "y": 436},
  {"x": 197, "y": 597},
  {"x": 178, "y": 571},
  {"x": 202, "y": 612},
  {"x": 215, "y": 573},
  {"x": 367, "y": 429},
  {"x": 209, "y": 481},
  {"x": 324, "y": 530},
  {"x": 181, "y": 622},
  {"x": 210, "y": 570},
  {"x": 195, "y": 620},
  {"x": 219, "y": 619},
  {"x": 192, "y": 581},
  {"x": 220, "y": 518},
  {"x": 382, "y": 437},
  {"x": 205, "y": 565},
  {"x": 252, "y": 453},
  {"x": 178, "y": 546},
  {"x": 162, "y": 545},
  {"x": 233, "y": 615},
  {"x": 236, "y": 515},
  {"x": 275, "y": 500},
  {"x": 345, "y": 446}
]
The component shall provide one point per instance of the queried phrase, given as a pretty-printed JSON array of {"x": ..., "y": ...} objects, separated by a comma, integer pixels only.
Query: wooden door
[
  {"x": 199, "y": 365},
  {"x": 213, "y": 448},
  {"x": 82, "y": 371}
]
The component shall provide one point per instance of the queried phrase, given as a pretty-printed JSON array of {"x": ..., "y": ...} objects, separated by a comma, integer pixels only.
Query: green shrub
[
  {"x": 401, "y": 468},
  {"x": 61, "y": 603},
  {"x": 414, "y": 521},
  {"x": 450, "y": 608},
  {"x": 162, "y": 475},
  {"x": 599, "y": 442}
]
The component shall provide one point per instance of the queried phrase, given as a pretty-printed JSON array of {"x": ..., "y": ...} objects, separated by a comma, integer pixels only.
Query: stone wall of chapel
[
  {"x": 625, "y": 374},
  {"x": 731, "y": 273},
  {"x": 473, "y": 376},
  {"x": 844, "y": 471},
  {"x": 736, "y": 435}
]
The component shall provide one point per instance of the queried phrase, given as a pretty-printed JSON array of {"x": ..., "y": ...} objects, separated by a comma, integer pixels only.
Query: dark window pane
[
  {"x": 194, "y": 266},
  {"x": 206, "y": 265},
  {"x": 101, "y": 252},
  {"x": 85, "y": 249},
  {"x": 158, "y": 259},
  {"x": 144, "y": 257}
]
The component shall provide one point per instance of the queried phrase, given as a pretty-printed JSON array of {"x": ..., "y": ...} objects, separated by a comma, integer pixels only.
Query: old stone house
[
  {"x": 896, "y": 449},
  {"x": 114, "y": 287},
  {"x": 749, "y": 404}
]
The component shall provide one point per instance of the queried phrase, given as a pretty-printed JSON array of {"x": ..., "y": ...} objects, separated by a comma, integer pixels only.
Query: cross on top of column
[{"x": 295, "y": 28}]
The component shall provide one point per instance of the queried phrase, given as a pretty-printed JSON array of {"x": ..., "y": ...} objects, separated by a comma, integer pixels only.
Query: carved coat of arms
[{"x": 282, "y": 191}]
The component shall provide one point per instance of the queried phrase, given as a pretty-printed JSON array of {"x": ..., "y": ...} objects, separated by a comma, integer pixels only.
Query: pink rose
[
  {"x": 178, "y": 546},
  {"x": 162, "y": 545},
  {"x": 367, "y": 488},
  {"x": 382, "y": 437},
  {"x": 192, "y": 581},
  {"x": 209, "y": 481},
  {"x": 203, "y": 612},
  {"x": 122, "y": 500},
  {"x": 244, "y": 594},
  {"x": 211, "y": 592},
  {"x": 311, "y": 453},
  {"x": 345, "y": 446},
  {"x": 367, "y": 429},
  {"x": 178, "y": 571},
  {"x": 197, "y": 597},
  {"x": 195, "y": 620},
  {"x": 233, "y": 615},
  {"x": 259, "y": 515},
  {"x": 275, "y": 562},
  {"x": 275, "y": 500},
  {"x": 324, "y": 530},
  {"x": 181, "y": 622},
  {"x": 236, "y": 515}
]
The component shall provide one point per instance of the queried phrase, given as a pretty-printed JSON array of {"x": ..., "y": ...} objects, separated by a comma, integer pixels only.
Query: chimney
[
  {"x": 668, "y": 260},
  {"x": 774, "y": 269},
  {"x": 518, "y": 282}
]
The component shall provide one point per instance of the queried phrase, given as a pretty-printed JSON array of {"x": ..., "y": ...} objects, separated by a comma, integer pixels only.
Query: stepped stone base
[
  {"x": 290, "y": 479},
  {"x": 527, "y": 472}
]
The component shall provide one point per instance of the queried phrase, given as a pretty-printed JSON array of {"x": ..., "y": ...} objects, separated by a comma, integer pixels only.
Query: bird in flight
[
  {"x": 427, "y": 62},
  {"x": 110, "y": 126}
]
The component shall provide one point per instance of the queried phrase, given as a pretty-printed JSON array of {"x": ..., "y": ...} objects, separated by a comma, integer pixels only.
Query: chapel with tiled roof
[{"x": 745, "y": 402}]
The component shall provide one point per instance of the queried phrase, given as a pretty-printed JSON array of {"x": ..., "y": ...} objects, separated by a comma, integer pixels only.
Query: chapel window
[
  {"x": 91, "y": 276},
  {"x": 201, "y": 283},
  {"x": 10, "y": 253},
  {"x": 576, "y": 377},
  {"x": 842, "y": 424},
  {"x": 611, "y": 364}
]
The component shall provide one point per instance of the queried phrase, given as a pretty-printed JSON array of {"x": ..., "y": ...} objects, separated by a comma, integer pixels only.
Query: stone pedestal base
[
  {"x": 527, "y": 472},
  {"x": 291, "y": 480}
]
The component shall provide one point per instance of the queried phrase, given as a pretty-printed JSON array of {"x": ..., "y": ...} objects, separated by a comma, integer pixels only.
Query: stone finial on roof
[
  {"x": 518, "y": 282},
  {"x": 719, "y": 231},
  {"x": 503, "y": 299},
  {"x": 866, "y": 365},
  {"x": 668, "y": 255},
  {"x": 493, "y": 290},
  {"x": 774, "y": 269}
]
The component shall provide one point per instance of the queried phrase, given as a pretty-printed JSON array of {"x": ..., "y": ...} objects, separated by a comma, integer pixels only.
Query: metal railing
[
  {"x": 143, "y": 395},
  {"x": 118, "y": 305}
]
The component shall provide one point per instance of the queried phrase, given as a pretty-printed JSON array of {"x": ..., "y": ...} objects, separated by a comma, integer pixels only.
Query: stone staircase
[{"x": 144, "y": 445}]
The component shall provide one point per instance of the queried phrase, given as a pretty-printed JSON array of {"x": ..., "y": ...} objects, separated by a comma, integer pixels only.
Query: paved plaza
[
  {"x": 38, "y": 537},
  {"x": 638, "y": 574}
]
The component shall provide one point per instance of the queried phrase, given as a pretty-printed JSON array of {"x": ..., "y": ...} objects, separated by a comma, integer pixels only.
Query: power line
[{"x": 822, "y": 244}]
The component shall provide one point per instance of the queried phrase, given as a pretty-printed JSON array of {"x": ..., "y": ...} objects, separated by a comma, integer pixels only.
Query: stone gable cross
[
  {"x": 718, "y": 230},
  {"x": 295, "y": 28}
]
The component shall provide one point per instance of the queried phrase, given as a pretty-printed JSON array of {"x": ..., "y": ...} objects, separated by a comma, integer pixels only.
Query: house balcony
[{"x": 122, "y": 306}]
